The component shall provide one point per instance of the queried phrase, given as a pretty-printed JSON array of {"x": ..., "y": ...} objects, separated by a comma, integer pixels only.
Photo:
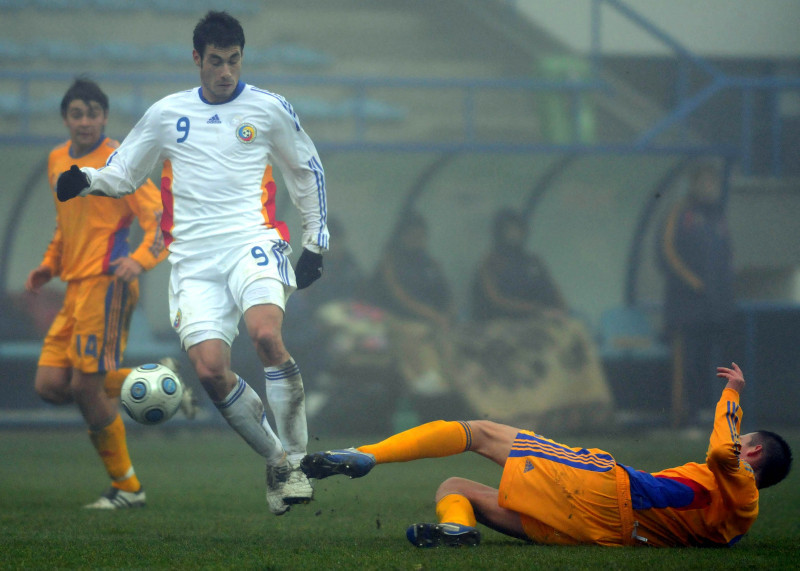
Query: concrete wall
[{"x": 712, "y": 28}]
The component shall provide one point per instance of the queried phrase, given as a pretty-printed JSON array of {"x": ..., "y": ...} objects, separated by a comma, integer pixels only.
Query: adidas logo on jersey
[
  {"x": 214, "y": 120},
  {"x": 528, "y": 466}
]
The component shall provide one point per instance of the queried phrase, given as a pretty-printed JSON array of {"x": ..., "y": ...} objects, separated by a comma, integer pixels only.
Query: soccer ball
[{"x": 151, "y": 394}]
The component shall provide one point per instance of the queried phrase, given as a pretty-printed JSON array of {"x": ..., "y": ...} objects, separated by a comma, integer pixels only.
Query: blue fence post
[
  {"x": 746, "y": 143},
  {"x": 25, "y": 106},
  {"x": 776, "y": 132},
  {"x": 682, "y": 90},
  {"x": 596, "y": 38}
]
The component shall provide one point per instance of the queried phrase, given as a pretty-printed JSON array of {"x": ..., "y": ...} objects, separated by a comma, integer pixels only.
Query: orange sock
[
  {"x": 112, "y": 447},
  {"x": 113, "y": 381},
  {"x": 455, "y": 508},
  {"x": 432, "y": 440}
]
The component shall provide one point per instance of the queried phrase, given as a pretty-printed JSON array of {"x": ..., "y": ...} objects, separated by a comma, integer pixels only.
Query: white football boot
[
  {"x": 115, "y": 499},
  {"x": 298, "y": 489},
  {"x": 277, "y": 476},
  {"x": 287, "y": 485}
]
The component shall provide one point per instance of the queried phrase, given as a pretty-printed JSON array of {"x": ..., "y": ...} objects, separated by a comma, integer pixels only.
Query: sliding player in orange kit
[{"x": 555, "y": 494}]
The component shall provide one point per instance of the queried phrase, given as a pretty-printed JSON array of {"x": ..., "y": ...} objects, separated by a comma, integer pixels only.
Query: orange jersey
[
  {"x": 700, "y": 504},
  {"x": 568, "y": 496},
  {"x": 92, "y": 231}
]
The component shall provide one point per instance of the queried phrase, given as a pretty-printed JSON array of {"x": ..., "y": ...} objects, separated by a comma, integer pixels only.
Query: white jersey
[{"x": 217, "y": 188}]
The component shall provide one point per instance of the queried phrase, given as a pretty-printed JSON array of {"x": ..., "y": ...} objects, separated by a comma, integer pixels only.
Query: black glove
[
  {"x": 309, "y": 268},
  {"x": 71, "y": 183}
]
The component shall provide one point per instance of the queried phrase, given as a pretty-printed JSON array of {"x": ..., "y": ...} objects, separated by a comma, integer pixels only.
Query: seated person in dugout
[
  {"x": 523, "y": 359},
  {"x": 510, "y": 281},
  {"x": 555, "y": 494},
  {"x": 411, "y": 286}
]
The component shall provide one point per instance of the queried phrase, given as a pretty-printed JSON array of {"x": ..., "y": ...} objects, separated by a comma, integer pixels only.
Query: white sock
[
  {"x": 244, "y": 411},
  {"x": 287, "y": 400}
]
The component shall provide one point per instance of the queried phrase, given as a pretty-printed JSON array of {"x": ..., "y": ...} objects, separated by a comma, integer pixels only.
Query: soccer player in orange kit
[
  {"x": 82, "y": 351},
  {"x": 554, "y": 494}
]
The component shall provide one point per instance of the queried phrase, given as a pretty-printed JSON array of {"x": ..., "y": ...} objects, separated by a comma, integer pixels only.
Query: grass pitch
[{"x": 206, "y": 510}]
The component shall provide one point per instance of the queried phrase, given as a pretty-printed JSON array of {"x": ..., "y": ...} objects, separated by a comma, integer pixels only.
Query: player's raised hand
[
  {"x": 70, "y": 183},
  {"x": 309, "y": 268},
  {"x": 734, "y": 376}
]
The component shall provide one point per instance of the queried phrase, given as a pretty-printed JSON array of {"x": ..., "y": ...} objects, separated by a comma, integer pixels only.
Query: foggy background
[{"x": 459, "y": 108}]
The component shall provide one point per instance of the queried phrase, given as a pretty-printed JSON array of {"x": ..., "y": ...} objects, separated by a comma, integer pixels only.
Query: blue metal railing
[
  {"x": 359, "y": 87},
  {"x": 466, "y": 90},
  {"x": 720, "y": 82}
]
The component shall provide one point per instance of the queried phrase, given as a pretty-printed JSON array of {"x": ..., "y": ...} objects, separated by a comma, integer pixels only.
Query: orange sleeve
[
  {"x": 734, "y": 477},
  {"x": 52, "y": 256},
  {"x": 146, "y": 205}
]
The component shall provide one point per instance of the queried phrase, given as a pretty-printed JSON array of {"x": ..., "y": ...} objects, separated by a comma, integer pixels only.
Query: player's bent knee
[
  {"x": 214, "y": 378},
  {"x": 208, "y": 372},
  {"x": 492, "y": 439},
  {"x": 453, "y": 485},
  {"x": 487, "y": 431},
  {"x": 271, "y": 349},
  {"x": 268, "y": 339},
  {"x": 52, "y": 385},
  {"x": 211, "y": 377},
  {"x": 53, "y": 395}
]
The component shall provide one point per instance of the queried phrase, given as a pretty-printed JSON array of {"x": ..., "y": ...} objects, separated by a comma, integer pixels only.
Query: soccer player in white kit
[{"x": 229, "y": 256}]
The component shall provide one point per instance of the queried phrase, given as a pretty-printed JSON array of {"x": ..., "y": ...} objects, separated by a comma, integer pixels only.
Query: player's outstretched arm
[
  {"x": 71, "y": 183},
  {"x": 734, "y": 376}
]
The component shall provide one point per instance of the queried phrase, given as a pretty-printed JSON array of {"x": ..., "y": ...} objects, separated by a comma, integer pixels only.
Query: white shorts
[{"x": 208, "y": 294}]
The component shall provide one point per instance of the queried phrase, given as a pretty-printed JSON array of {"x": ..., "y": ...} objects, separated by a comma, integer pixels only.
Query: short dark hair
[
  {"x": 218, "y": 29},
  {"x": 777, "y": 458},
  {"x": 86, "y": 90}
]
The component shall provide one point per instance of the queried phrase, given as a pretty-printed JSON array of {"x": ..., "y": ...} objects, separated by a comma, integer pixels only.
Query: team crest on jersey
[
  {"x": 177, "y": 322},
  {"x": 246, "y": 133}
]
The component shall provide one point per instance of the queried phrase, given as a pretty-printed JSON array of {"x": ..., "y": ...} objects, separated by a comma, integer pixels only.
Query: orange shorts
[
  {"x": 567, "y": 496},
  {"x": 91, "y": 330}
]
